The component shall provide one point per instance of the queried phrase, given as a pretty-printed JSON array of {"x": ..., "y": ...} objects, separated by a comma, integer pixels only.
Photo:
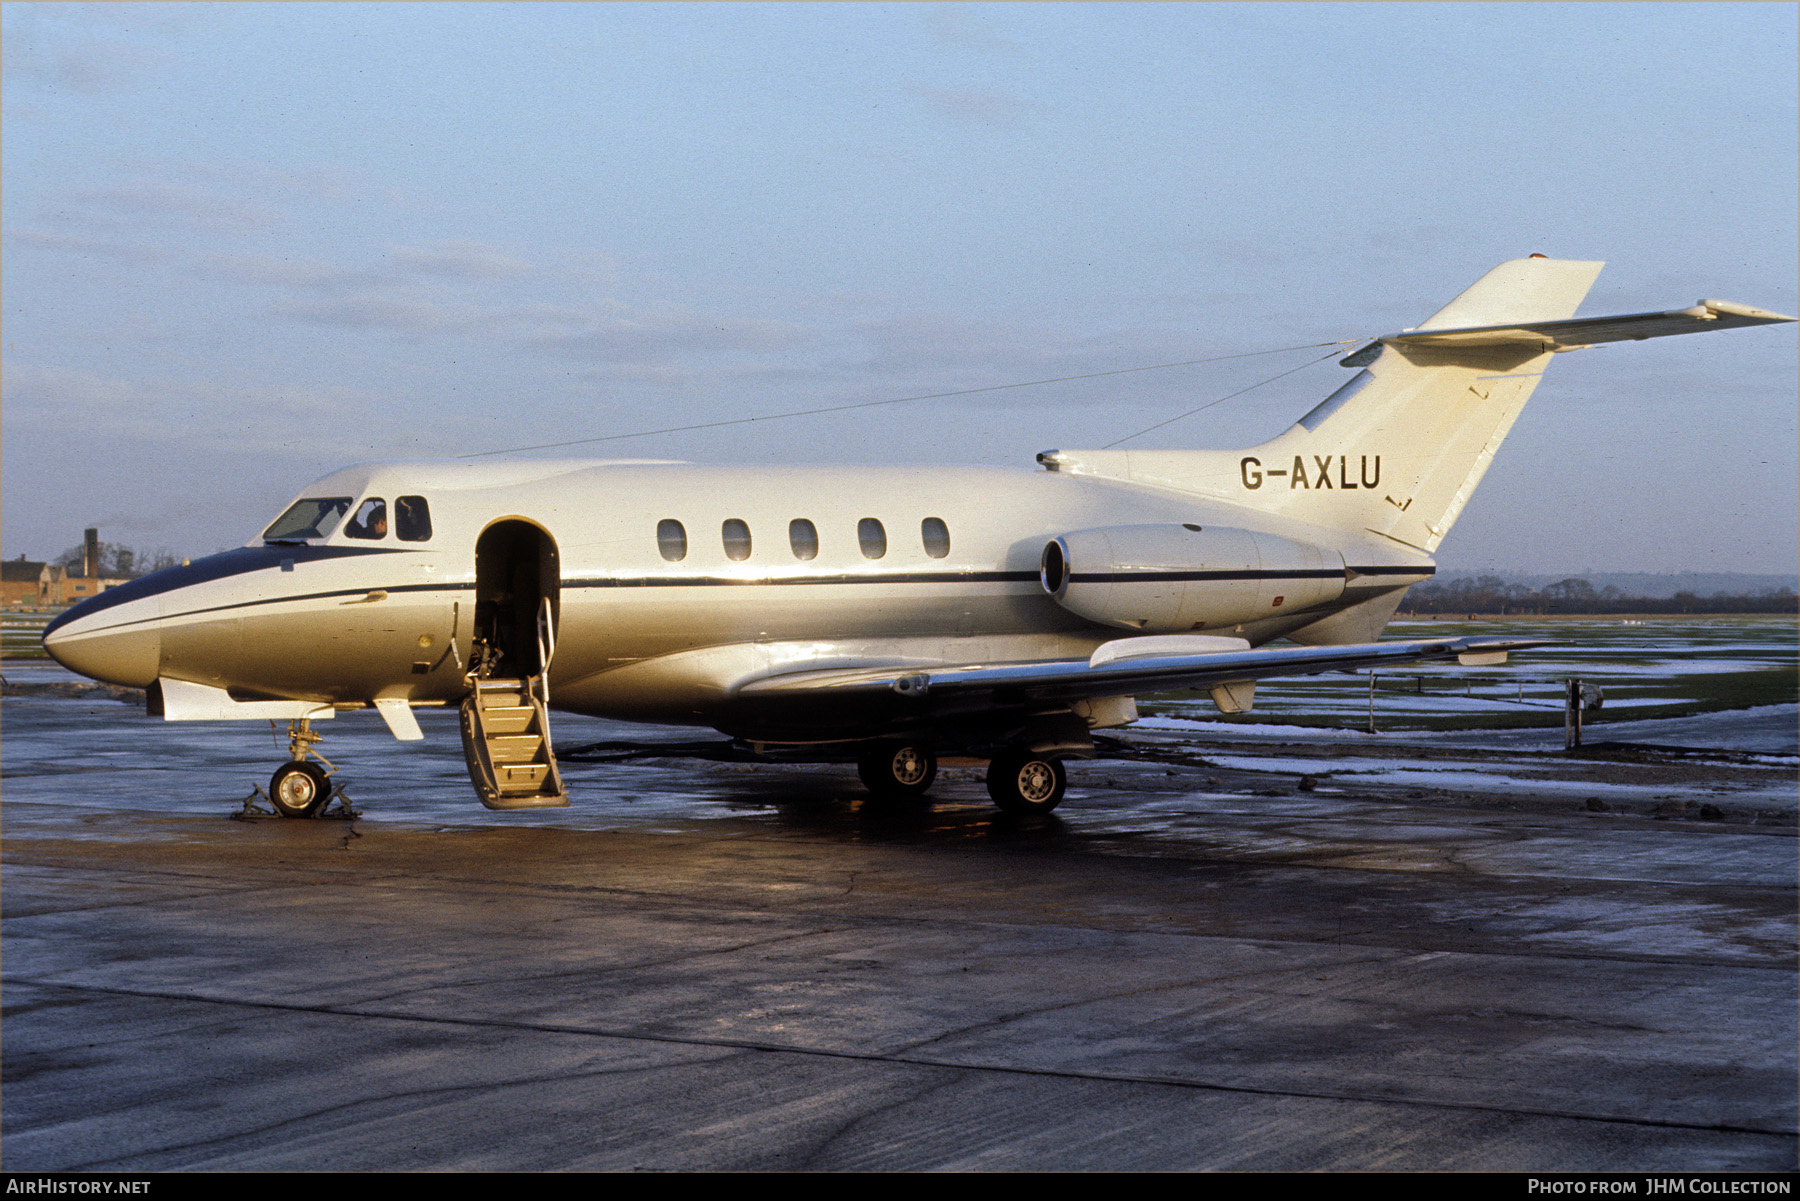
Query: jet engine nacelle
[{"x": 1169, "y": 578}]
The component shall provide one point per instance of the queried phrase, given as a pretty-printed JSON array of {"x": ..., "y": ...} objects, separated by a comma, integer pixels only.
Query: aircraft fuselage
[{"x": 933, "y": 565}]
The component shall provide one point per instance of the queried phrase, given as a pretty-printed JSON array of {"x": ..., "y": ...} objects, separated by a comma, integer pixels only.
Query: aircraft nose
[{"x": 103, "y": 650}]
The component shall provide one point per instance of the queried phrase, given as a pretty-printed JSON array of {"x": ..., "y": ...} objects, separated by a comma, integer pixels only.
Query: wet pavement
[{"x": 1232, "y": 947}]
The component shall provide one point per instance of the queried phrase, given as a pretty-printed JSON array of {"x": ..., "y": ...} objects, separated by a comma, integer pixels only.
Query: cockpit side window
[
  {"x": 370, "y": 520},
  {"x": 412, "y": 519},
  {"x": 314, "y": 517}
]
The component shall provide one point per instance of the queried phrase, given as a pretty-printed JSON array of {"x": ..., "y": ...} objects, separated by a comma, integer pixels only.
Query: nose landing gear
[{"x": 301, "y": 787}]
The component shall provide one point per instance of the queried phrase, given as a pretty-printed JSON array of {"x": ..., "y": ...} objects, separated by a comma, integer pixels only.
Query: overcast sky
[{"x": 248, "y": 244}]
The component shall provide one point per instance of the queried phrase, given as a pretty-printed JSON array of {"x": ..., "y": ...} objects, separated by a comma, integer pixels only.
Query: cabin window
[
  {"x": 370, "y": 520},
  {"x": 671, "y": 539},
  {"x": 412, "y": 519},
  {"x": 737, "y": 540},
  {"x": 314, "y": 517},
  {"x": 871, "y": 537},
  {"x": 936, "y": 536},
  {"x": 803, "y": 536}
]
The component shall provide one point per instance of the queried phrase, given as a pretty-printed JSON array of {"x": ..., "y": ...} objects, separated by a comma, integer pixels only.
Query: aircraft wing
[
  {"x": 1586, "y": 331},
  {"x": 1126, "y": 674}
]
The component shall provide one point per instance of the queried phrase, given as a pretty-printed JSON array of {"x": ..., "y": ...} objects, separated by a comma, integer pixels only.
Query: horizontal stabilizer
[{"x": 1586, "y": 331}]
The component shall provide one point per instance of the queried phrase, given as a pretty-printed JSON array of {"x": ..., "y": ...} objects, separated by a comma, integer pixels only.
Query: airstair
[{"x": 506, "y": 734}]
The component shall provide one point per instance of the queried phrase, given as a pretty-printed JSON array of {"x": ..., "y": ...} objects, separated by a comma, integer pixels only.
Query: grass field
[
  {"x": 1649, "y": 667},
  {"x": 20, "y": 631}
]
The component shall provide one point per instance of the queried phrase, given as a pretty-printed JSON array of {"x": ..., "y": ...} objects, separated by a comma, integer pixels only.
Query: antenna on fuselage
[
  {"x": 1253, "y": 387},
  {"x": 871, "y": 404}
]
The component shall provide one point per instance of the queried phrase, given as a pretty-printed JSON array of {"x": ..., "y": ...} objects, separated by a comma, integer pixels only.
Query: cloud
[
  {"x": 975, "y": 105},
  {"x": 98, "y": 49},
  {"x": 710, "y": 377},
  {"x": 51, "y": 407},
  {"x": 619, "y": 331},
  {"x": 63, "y": 392},
  {"x": 446, "y": 288},
  {"x": 960, "y": 25},
  {"x": 611, "y": 331},
  {"x": 160, "y": 202},
  {"x": 379, "y": 312},
  {"x": 93, "y": 66},
  {"x": 283, "y": 271},
  {"x": 969, "y": 350},
  {"x": 78, "y": 244},
  {"x": 326, "y": 181},
  {"x": 443, "y": 261},
  {"x": 119, "y": 220},
  {"x": 458, "y": 259}
]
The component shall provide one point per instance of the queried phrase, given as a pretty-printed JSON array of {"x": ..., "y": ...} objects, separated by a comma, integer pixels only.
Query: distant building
[
  {"x": 21, "y": 581},
  {"x": 57, "y": 585},
  {"x": 47, "y": 584}
]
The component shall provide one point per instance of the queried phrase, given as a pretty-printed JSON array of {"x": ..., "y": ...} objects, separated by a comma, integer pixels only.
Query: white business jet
[{"x": 891, "y": 614}]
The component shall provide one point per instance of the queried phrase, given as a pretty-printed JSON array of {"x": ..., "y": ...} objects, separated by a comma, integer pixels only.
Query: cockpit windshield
[{"x": 314, "y": 517}]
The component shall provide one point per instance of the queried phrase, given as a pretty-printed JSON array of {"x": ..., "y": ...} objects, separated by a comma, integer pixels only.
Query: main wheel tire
[
  {"x": 299, "y": 788},
  {"x": 897, "y": 770},
  {"x": 1023, "y": 782}
]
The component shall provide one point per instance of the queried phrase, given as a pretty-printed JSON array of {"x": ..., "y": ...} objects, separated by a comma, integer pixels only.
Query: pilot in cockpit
[{"x": 370, "y": 520}]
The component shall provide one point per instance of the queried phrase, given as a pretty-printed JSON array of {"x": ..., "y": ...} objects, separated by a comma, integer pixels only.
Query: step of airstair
[{"x": 506, "y": 740}]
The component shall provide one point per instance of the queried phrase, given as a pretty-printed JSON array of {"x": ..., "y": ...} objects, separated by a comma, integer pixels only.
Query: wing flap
[{"x": 1077, "y": 679}]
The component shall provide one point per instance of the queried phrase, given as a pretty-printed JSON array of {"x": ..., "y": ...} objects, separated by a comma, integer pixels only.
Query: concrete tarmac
[{"x": 1196, "y": 963}]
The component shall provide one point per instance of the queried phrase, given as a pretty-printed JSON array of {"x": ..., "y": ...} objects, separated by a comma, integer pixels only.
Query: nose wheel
[
  {"x": 302, "y": 786},
  {"x": 299, "y": 789}
]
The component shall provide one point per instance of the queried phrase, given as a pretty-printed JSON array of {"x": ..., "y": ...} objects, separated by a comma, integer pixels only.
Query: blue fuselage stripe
[{"x": 221, "y": 566}]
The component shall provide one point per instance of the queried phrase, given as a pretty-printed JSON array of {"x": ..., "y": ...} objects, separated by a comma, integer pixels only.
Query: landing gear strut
[
  {"x": 301, "y": 787},
  {"x": 897, "y": 770},
  {"x": 1026, "y": 782}
]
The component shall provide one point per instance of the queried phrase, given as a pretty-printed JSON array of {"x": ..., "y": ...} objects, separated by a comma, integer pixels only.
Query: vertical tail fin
[
  {"x": 1398, "y": 449},
  {"x": 1523, "y": 291}
]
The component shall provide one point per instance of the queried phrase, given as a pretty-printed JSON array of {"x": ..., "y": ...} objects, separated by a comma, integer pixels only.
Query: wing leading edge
[{"x": 1082, "y": 679}]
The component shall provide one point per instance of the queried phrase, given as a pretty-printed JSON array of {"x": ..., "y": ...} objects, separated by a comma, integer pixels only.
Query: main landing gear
[
  {"x": 896, "y": 771},
  {"x": 302, "y": 787},
  {"x": 1026, "y": 782},
  {"x": 1020, "y": 781}
]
